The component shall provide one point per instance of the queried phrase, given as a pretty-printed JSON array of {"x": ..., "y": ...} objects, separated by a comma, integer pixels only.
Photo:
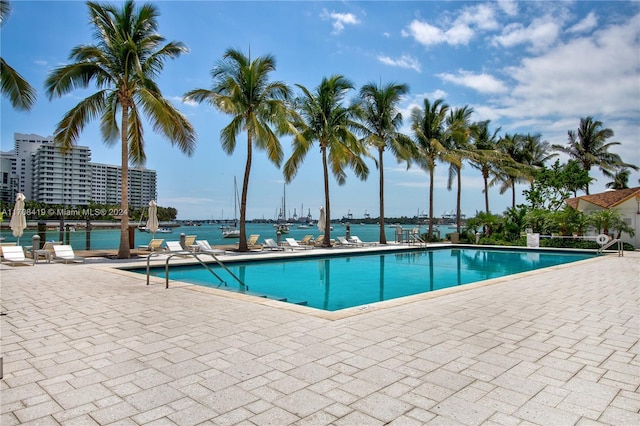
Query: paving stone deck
[{"x": 84, "y": 345}]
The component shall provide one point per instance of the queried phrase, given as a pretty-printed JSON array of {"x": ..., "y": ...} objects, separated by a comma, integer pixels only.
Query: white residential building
[
  {"x": 105, "y": 185},
  {"x": 38, "y": 169}
]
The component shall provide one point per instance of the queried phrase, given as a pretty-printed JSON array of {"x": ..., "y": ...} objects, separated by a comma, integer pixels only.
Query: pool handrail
[
  {"x": 194, "y": 255},
  {"x": 620, "y": 248}
]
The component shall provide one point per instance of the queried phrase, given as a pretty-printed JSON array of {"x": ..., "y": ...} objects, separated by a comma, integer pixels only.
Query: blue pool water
[{"x": 337, "y": 282}]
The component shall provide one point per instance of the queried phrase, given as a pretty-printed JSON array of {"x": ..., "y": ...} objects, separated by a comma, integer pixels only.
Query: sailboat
[
  {"x": 233, "y": 231},
  {"x": 306, "y": 222},
  {"x": 281, "y": 224}
]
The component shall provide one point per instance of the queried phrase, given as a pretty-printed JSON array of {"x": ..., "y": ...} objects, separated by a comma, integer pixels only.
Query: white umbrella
[
  {"x": 18, "y": 219},
  {"x": 321, "y": 220},
  {"x": 152, "y": 222}
]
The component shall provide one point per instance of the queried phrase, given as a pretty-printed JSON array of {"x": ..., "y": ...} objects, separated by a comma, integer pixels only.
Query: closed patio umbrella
[
  {"x": 18, "y": 218},
  {"x": 152, "y": 222},
  {"x": 321, "y": 220}
]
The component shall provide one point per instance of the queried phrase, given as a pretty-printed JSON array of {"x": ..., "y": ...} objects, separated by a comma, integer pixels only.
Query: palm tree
[
  {"x": 607, "y": 220},
  {"x": 128, "y": 54},
  {"x": 381, "y": 121},
  {"x": 620, "y": 179},
  {"x": 241, "y": 88},
  {"x": 590, "y": 148},
  {"x": 324, "y": 118},
  {"x": 428, "y": 128},
  {"x": 12, "y": 85},
  {"x": 486, "y": 158},
  {"x": 513, "y": 169},
  {"x": 457, "y": 143},
  {"x": 536, "y": 153}
]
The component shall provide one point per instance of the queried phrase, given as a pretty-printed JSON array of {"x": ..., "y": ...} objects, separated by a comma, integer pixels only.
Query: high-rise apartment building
[
  {"x": 38, "y": 169},
  {"x": 15, "y": 165},
  {"x": 105, "y": 185},
  {"x": 61, "y": 178}
]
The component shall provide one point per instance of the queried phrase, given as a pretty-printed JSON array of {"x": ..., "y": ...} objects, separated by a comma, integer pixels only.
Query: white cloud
[
  {"x": 481, "y": 16},
  {"x": 339, "y": 20},
  {"x": 510, "y": 7},
  {"x": 404, "y": 61},
  {"x": 180, "y": 100},
  {"x": 587, "y": 24},
  {"x": 460, "y": 32},
  {"x": 424, "y": 33},
  {"x": 483, "y": 83},
  {"x": 540, "y": 34},
  {"x": 560, "y": 82}
]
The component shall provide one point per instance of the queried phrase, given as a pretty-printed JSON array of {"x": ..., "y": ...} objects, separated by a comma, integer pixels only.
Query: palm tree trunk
[
  {"x": 458, "y": 200},
  {"x": 430, "y": 203},
  {"x": 327, "y": 219},
  {"x": 383, "y": 237},
  {"x": 513, "y": 194},
  {"x": 588, "y": 169},
  {"x": 242, "y": 244},
  {"x": 485, "y": 178},
  {"x": 123, "y": 250}
]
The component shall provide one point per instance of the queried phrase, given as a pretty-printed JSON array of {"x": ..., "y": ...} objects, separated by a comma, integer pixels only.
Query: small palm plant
[{"x": 605, "y": 221}]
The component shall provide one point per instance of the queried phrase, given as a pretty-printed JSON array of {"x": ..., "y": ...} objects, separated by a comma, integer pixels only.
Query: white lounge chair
[
  {"x": 343, "y": 242},
  {"x": 294, "y": 244},
  {"x": 270, "y": 244},
  {"x": 175, "y": 247},
  {"x": 357, "y": 240},
  {"x": 14, "y": 255},
  {"x": 64, "y": 253},
  {"x": 205, "y": 247}
]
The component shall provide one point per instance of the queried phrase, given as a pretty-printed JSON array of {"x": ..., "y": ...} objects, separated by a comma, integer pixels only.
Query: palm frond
[
  {"x": 20, "y": 93},
  {"x": 69, "y": 128}
]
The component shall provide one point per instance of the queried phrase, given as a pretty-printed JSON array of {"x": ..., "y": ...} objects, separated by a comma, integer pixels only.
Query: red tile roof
[{"x": 607, "y": 199}]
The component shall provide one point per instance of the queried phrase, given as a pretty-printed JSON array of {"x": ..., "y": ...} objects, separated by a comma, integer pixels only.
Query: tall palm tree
[
  {"x": 486, "y": 157},
  {"x": 590, "y": 147},
  {"x": 324, "y": 118},
  {"x": 241, "y": 89},
  {"x": 514, "y": 168},
  {"x": 381, "y": 121},
  {"x": 428, "y": 126},
  {"x": 128, "y": 54},
  {"x": 12, "y": 85},
  {"x": 459, "y": 132},
  {"x": 536, "y": 153}
]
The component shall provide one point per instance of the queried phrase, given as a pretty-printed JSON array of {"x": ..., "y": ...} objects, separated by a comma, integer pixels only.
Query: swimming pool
[{"x": 337, "y": 282}]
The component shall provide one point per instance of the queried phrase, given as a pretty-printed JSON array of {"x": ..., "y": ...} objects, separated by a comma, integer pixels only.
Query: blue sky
[{"x": 526, "y": 66}]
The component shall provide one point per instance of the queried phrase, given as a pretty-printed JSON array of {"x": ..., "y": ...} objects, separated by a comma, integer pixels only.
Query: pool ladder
[
  {"x": 414, "y": 238},
  {"x": 195, "y": 256},
  {"x": 619, "y": 249}
]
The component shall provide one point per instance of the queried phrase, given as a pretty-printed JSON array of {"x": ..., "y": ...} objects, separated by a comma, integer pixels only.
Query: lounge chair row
[
  {"x": 308, "y": 242},
  {"x": 57, "y": 252},
  {"x": 190, "y": 244}
]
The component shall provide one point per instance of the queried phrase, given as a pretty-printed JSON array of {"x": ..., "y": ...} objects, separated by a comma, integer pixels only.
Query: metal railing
[
  {"x": 619, "y": 249},
  {"x": 172, "y": 254}
]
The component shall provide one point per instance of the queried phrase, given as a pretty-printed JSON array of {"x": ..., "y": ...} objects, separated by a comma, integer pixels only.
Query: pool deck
[{"x": 85, "y": 344}]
